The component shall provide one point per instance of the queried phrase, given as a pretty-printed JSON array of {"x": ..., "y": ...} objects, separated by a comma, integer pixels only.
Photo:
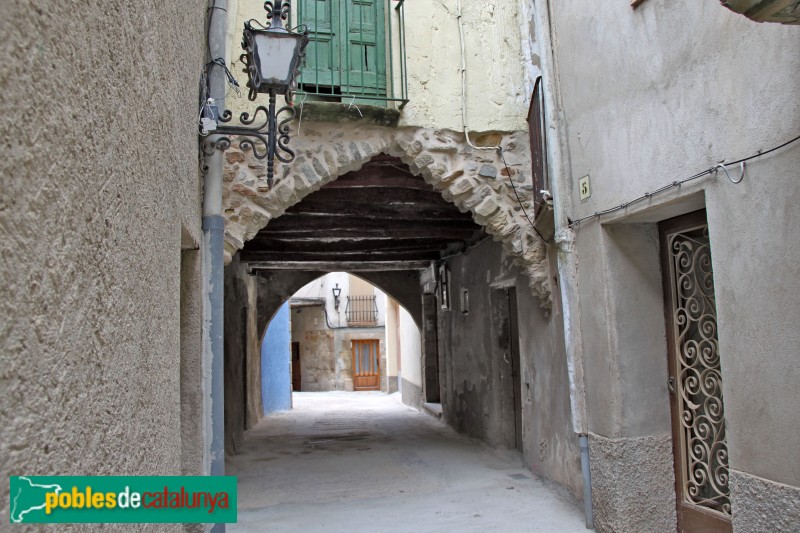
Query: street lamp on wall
[
  {"x": 336, "y": 293},
  {"x": 272, "y": 60}
]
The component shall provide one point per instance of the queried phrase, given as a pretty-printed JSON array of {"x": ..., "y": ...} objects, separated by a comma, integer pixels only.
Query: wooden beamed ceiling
[{"x": 378, "y": 215}]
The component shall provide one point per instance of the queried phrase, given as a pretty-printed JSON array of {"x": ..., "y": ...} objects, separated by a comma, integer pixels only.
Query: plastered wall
[
  {"x": 497, "y": 98},
  {"x": 478, "y": 388},
  {"x": 99, "y": 174},
  {"x": 650, "y": 96}
]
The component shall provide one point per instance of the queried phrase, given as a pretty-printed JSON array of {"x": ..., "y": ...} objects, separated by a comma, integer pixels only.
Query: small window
[{"x": 444, "y": 286}]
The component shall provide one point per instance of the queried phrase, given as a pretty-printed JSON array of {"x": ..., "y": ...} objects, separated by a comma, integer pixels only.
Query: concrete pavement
[{"x": 365, "y": 462}]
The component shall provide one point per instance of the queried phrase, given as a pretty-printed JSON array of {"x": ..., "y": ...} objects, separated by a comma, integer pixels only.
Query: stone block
[
  {"x": 355, "y": 151},
  {"x": 488, "y": 171},
  {"x": 422, "y": 161},
  {"x": 487, "y": 207},
  {"x": 461, "y": 186},
  {"x": 234, "y": 156},
  {"x": 477, "y": 197}
]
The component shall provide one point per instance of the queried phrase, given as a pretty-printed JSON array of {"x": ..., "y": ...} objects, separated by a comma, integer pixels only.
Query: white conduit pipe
[{"x": 464, "y": 84}]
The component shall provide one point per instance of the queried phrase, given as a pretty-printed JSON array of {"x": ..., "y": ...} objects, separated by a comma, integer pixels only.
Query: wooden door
[
  {"x": 366, "y": 370},
  {"x": 695, "y": 377},
  {"x": 296, "y": 374},
  {"x": 515, "y": 365}
]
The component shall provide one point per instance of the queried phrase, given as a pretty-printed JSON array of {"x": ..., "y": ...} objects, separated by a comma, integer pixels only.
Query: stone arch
[
  {"x": 473, "y": 180},
  {"x": 282, "y": 284}
]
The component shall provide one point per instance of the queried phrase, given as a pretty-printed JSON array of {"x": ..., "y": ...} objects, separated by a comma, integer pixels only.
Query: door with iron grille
[
  {"x": 366, "y": 371},
  {"x": 695, "y": 376}
]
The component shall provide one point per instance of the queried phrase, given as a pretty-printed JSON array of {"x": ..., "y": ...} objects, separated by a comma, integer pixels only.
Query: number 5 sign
[{"x": 583, "y": 186}]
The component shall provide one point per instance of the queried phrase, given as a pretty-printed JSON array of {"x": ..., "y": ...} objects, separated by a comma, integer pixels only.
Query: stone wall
[
  {"x": 317, "y": 357},
  {"x": 474, "y": 180},
  {"x": 99, "y": 176}
]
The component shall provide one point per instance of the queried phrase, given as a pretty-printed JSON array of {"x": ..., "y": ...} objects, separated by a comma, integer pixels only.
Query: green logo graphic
[{"x": 122, "y": 499}]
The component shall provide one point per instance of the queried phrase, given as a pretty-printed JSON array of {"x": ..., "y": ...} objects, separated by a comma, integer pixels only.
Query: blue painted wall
[{"x": 276, "y": 358}]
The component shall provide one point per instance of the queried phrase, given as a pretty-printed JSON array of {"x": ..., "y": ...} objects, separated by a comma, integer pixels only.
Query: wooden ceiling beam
[
  {"x": 271, "y": 257},
  {"x": 349, "y": 245},
  {"x": 311, "y": 223},
  {"x": 335, "y": 232},
  {"x": 338, "y": 266}
]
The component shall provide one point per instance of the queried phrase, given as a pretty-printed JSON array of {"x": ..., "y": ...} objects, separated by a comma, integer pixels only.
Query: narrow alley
[
  {"x": 400, "y": 266},
  {"x": 363, "y": 461}
]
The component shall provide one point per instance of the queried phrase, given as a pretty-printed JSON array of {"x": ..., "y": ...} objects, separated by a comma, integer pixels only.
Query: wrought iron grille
[
  {"x": 704, "y": 452},
  {"x": 361, "y": 310},
  {"x": 355, "y": 53}
]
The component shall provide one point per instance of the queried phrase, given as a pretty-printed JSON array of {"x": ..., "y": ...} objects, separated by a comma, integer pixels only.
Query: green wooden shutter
[
  {"x": 346, "y": 52},
  {"x": 365, "y": 47},
  {"x": 322, "y": 68}
]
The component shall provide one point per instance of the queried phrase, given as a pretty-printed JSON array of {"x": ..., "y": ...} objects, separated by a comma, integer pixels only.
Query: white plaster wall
[
  {"x": 657, "y": 94},
  {"x": 410, "y": 349},
  {"x": 392, "y": 336},
  {"x": 322, "y": 288},
  {"x": 497, "y": 97}
]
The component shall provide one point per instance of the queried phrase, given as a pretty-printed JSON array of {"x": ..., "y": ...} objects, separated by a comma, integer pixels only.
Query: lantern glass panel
[{"x": 275, "y": 54}]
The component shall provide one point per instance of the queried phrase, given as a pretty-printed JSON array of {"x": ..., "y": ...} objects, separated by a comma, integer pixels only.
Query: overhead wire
[
  {"x": 497, "y": 148},
  {"x": 678, "y": 183}
]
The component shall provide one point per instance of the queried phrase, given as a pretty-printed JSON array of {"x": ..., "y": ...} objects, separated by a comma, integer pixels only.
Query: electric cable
[
  {"x": 519, "y": 201},
  {"x": 678, "y": 183}
]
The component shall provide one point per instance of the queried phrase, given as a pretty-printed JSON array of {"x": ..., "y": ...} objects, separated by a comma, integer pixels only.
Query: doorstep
[{"x": 433, "y": 409}]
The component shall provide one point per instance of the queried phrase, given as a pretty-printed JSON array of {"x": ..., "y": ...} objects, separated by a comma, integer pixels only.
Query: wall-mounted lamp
[
  {"x": 272, "y": 61},
  {"x": 336, "y": 293}
]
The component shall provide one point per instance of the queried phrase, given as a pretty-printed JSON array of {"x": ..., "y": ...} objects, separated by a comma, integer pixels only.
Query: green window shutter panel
[
  {"x": 346, "y": 53},
  {"x": 322, "y": 64}
]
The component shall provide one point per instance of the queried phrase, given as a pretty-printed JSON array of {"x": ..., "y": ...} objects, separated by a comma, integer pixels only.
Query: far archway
[{"x": 340, "y": 333}]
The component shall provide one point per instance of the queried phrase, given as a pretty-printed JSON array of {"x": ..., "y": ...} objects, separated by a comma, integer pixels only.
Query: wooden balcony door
[{"x": 366, "y": 370}]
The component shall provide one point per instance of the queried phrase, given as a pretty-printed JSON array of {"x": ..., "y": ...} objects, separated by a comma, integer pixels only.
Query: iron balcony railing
[
  {"x": 352, "y": 55},
  {"x": 361, "y": 310}
]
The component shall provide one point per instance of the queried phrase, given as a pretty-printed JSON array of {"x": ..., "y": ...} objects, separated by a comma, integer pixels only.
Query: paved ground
[{"x": 364, "y": 462}]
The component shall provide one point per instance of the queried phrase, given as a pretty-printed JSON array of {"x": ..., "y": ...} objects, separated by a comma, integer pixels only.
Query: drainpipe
[
  {"x": 565, "y": 242},
  {"x": 213, "y": 260}
]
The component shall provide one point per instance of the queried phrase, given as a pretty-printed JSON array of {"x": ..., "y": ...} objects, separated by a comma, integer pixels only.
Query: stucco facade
[
  {"x": 100, "y": 215},
  {"x": 673, "y": 89}
]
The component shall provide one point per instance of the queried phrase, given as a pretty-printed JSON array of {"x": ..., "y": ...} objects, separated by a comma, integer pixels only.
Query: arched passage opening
[
  {"x": 491, "y": 362},
  {"x": 339, "y": 333}
]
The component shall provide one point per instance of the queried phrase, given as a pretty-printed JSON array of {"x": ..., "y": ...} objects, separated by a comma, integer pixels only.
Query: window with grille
[
  {"x": 362, "y": 308},
  {"x": 353, "y": 54}
]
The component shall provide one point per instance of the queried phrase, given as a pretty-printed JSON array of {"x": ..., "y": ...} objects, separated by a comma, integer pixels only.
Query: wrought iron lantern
[
  {"x": 272, "y": 61},
  {"x": 336, "y": 293}
]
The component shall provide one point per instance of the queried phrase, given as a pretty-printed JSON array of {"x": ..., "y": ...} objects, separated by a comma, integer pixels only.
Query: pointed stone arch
[{"x": 475, "y": 181}]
